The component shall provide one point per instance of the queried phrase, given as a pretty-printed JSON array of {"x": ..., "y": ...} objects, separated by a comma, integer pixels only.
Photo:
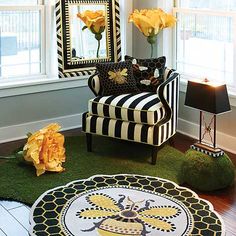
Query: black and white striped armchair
[{"x": 149, "y": 118}]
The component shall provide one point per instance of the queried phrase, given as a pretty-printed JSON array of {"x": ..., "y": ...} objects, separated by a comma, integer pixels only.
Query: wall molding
[
  {"x": 224, "y": 141},
  {"x": 17, "y": 132}
]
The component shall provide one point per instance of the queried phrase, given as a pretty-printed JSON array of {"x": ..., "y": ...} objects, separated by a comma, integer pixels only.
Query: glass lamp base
[{"x": 207, "y": 149}]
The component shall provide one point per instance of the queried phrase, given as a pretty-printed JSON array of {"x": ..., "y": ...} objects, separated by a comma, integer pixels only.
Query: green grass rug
[{"x": 18, "y": 180}]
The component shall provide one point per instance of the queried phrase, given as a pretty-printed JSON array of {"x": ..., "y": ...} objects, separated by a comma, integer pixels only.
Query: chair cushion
[
  {"x": 148, "y": 73},
  {"x": 116, "y": 78},
  {"x": 142, "y": 108},
  {"x": 120, "y": 129}
]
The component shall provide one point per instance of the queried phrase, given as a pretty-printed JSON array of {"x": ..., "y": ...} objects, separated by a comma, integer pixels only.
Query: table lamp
[{"x": 212, "y": 98}]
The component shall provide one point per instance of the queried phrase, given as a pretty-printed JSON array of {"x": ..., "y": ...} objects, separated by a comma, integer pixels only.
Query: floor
[
  {"x": 16, "y": 214},
  {"x": 14, "y": 219}
]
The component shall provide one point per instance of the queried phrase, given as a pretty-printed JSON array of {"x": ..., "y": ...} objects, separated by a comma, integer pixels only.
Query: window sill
[
  {"x": 232, "y": 96},
  {"x": 40, "y": 85}
]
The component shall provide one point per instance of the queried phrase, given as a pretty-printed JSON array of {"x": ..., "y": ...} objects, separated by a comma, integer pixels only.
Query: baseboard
[
  {"x": 17, "y": 132},
  {"x": 224, "y": 141}
]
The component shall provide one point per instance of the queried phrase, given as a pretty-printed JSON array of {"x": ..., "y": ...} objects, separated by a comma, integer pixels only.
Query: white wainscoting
[
  {"x": 224, "y": 141},
  {"x": 17, "y": 132}
]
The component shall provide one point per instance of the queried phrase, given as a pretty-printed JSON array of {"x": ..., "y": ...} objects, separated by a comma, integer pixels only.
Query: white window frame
[
  {"x": 41, "y": 9},
  {"x": 185, "y": 77}
]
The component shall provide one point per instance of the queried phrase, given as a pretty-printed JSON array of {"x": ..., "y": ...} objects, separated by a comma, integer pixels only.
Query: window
[
  {"x": 21, "y": 39},
  {"x": 205, "y": 40},
  {"x": 28, "y": 45}
]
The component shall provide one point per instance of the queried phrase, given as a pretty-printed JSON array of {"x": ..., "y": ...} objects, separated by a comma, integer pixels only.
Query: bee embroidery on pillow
[
  {"x": 129, "y": 219},
  {"x": 119, "y": 76},
  {"x": 137, "y": 67}
]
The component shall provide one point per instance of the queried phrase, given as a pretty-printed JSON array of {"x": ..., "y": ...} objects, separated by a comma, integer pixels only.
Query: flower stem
[
  {"x": 99, "y": 44},
  {"x": 152, "y": 49},
  {"x": 152, "y": 40}
]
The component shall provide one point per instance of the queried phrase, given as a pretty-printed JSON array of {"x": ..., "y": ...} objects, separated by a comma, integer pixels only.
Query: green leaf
[{"x": 84, "y": 28}]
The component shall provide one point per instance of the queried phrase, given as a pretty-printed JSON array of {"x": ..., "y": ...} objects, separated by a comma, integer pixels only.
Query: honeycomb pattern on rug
[{"x": 47, "y": 210}]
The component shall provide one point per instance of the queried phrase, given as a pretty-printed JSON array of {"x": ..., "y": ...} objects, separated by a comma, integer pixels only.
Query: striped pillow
[{"x": 148, "y": 73}]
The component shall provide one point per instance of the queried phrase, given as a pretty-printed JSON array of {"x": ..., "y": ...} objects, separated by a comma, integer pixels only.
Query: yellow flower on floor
[{"x": 45, "y": 149}]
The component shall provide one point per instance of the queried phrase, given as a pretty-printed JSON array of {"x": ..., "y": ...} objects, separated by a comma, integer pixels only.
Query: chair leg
[
  {"x": 172, "y": 141},
  {"x": 154, "y": 155},
  {"x": 89, "y": 142}
]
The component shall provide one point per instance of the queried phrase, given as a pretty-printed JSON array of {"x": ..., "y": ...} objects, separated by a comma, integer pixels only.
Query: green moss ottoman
[{"x": 206, "y": 173}]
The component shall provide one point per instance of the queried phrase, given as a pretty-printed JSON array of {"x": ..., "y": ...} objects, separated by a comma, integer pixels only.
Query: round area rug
[{"x": 118, "y": 205}]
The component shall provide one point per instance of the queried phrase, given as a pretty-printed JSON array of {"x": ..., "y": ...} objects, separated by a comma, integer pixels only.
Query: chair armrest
[
  {"x": 168, "y": 93},
  {"x": 94, "y": 84},
  {"x": 168, "y": 72}
]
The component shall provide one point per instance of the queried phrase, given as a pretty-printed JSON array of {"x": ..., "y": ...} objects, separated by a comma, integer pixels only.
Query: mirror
[{"x": 88, "y": 33}]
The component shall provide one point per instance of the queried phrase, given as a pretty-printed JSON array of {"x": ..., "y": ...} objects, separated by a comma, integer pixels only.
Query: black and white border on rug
[{"x": 126, "y": 205}]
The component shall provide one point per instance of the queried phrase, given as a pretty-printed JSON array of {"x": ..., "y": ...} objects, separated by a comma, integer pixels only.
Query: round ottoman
[{"x": 206, "y": 173}]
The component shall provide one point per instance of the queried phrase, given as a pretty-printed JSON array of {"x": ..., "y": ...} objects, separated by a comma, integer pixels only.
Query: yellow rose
[
  {"x": 94, "y": 20},
  {"x": 150, "y": 22},
  {"x": 45, "y": 149}
]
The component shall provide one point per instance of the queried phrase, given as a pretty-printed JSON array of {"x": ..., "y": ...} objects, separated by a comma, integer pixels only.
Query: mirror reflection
[{"x": 88, "y": 29}]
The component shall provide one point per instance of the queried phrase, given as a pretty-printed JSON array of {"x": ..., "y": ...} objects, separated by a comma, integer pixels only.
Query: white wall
[{"x": 27, "y": 113}]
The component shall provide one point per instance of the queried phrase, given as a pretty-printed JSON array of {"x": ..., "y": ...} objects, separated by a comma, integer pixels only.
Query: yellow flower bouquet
[
  {"x": 45, "y": 149},
  {"x": 94, "y": 21},
  {"x": 150, "y": 22}
]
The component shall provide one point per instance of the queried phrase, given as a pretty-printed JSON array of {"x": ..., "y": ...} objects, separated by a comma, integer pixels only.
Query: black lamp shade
[{"x": 205, "y": 97}]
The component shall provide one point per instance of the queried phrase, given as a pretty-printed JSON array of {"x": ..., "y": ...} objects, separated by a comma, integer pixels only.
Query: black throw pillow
[
  {"x": 148, "y": 73},
  {"x": 116, "y": 78}
]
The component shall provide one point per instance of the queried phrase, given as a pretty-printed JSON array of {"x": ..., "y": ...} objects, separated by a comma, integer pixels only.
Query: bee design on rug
[
  {"x": 129, "y": 219},
  {"x": 119, "y": 76}
]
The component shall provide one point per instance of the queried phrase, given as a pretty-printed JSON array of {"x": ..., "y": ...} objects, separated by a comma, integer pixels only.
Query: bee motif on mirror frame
[
  {"x": 129, "y": 219},
  {"x": 119, "y": 76}
]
